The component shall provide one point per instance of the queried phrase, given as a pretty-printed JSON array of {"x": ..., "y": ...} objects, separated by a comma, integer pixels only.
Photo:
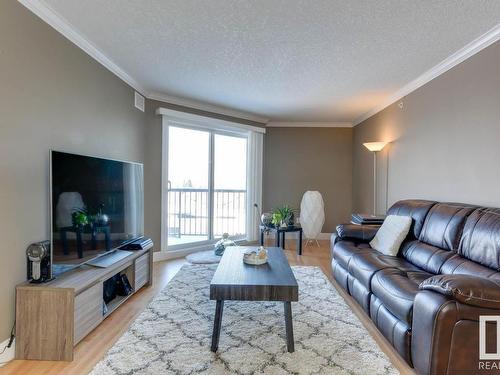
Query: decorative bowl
[
  {"x": 254, "y": 262},
  {"x": 255, "y": 257}
]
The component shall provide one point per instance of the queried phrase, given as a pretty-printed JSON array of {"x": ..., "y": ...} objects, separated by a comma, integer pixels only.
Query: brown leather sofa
[{"x": 427, "y": 300}]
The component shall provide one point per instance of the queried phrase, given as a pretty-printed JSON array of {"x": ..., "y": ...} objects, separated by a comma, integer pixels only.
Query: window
[{"x": 206, "y": 167}]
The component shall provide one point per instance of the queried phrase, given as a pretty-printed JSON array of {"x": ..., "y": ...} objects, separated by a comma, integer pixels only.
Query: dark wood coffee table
[{"x": 235, "y": 280}]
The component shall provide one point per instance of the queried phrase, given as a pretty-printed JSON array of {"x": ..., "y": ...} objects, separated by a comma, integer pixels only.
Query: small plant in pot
[
  {"x": 80, "y": 217},
  {"x": 283, "y": 216}
]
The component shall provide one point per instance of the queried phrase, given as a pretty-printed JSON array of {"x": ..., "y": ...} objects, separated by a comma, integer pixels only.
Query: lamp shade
[{"x": 375, "y": 146}]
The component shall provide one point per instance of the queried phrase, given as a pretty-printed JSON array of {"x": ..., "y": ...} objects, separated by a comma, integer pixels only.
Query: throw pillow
[{"x": 391, "y": 234}]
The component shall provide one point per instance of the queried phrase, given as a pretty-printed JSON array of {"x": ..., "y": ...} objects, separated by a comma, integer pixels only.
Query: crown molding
[
  {"x": 203, "y": 106},
  {"x": 461, "y": 55},
  {"x": 190, "y": 119},
  {"x": 299, "y": 124},
  {"x": 57, "y": 22}
]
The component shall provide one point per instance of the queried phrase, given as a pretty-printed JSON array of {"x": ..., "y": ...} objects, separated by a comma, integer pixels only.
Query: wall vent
[{"x": 139, "y": 101}]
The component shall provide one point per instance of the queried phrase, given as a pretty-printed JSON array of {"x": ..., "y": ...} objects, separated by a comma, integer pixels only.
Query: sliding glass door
[
  {"x": 207, "y": 197},
  {"x": 230, "y": 190},
  {"x": 188, "y": 186}
]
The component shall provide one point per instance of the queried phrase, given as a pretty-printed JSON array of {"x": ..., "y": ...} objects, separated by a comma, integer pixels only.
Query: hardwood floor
[{"x": 95, "y": 345}]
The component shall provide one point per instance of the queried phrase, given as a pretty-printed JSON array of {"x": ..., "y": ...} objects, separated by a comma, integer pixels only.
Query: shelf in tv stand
[
  {"x": 116, "y": 303},
  {"x": 68, "y": 308}
]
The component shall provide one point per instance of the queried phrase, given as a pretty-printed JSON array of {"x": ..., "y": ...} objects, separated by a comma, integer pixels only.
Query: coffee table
[{"x": 235, "y": 280}]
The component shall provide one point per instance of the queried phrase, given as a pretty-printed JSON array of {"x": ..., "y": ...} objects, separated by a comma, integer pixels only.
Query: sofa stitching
[
  {"x": 461, "y": 229},
  {"x": 429, "y": 360},
  {"x": 426, "y": 222},
  {"x": 458, "y": 265},
  {"x": 469, "y": 297},
  {"x": 472, "y": 231},
  {"x": 429, "y": 260},
  {"x": 378, "y": 311},
  {"x": 453, "y": 291},
  {"x": 445, "y": 229},
  {"x": 451, "y": 339}
]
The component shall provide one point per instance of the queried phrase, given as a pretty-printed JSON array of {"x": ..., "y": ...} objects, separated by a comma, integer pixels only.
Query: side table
[{"x": 280, "y": 235}]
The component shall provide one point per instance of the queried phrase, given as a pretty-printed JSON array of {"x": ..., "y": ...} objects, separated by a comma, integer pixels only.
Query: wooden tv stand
[{"x": 53, "y": 317}]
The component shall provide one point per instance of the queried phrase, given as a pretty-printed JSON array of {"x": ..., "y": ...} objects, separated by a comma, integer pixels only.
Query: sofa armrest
[
  {"x": 445, "y": 334},
  {"x": 469, "y": 290},
  {"x": 358, "y": 233}
]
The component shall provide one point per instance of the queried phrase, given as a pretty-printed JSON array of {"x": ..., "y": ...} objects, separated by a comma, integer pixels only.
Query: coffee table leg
[
  {"x": 283, "y": 240},
  {"x": 217, "y": 324},
  {"x": 289, "y": 327},
  {"x": 278, "y": 234},
  {"x": 299, "y": 248}
]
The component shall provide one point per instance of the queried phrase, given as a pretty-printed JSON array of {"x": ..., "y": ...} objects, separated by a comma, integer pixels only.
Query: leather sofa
[{"x": 427, "y": 300}]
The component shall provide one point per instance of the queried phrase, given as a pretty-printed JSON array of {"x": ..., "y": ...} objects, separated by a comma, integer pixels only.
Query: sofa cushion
[
  {"x": 343, "y": 251},
  {"x": 397, "y": 332},
  {"x": 427, "y": 257},
  {"x": 360, "y": 294},
  {"x": 480, "y": 240},
  {"x": 458, "y": 265},
  {"x": 397, "y": 290},
  {"x": 364, "y": 265},
  {"x": 341, "y": 275},
  {"x": 417, "y": 209},
  {"x": 444, "y": 223}
]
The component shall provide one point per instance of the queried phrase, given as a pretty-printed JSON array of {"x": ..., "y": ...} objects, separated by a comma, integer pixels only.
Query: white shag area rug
[{"x": 173, "y": 334}]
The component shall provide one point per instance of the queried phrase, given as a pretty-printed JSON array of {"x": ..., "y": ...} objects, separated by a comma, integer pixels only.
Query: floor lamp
[{"x": 375, "y": 147}]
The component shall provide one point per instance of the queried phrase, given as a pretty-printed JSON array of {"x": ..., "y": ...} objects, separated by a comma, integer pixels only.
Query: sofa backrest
[
  {"x": 480, "y": 241},
  {"x": 417, "y": 209},
  {"x": 439, "y": 238},
  {"x": 444, "y": 224},
  {"x": 451, "y": 238}
]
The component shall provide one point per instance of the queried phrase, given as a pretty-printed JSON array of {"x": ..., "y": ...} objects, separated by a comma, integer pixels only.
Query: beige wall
[
  {"x": 301, "y": 159},
  {"x": 52, "y": 95},
  {"x": 445, "y": 140}
]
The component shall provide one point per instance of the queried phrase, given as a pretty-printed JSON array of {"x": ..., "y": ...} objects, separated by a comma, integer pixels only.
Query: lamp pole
[
  {"x": 374, "y": 147},
  {"x": 375, "y": 182}
]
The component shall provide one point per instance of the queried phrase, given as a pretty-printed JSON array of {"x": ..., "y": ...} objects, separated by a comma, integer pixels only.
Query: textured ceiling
[{"x": 288, "y": 60}]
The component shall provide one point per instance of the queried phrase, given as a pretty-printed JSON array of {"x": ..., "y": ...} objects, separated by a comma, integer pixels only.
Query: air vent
[{"x": 139, "y": 101}]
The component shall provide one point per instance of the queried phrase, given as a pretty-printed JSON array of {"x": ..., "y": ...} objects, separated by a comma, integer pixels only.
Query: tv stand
[
  {"x": 107, "y": 260},
  {"x": 53, "y": 317}
]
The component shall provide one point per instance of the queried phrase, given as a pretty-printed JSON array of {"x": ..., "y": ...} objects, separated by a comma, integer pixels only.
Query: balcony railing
[{"x": 188, "y": 212}]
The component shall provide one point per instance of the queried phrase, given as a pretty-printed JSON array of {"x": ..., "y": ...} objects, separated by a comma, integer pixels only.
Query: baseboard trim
[
  {"x": 174, "y": 254},
  {"x": 295, "y": 235},
  {"x": 9, "y": 353},
  {"x": 159, "y": 256}
]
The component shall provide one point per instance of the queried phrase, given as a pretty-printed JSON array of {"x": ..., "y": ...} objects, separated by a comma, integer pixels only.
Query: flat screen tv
[{"x": 96, "y": 206}]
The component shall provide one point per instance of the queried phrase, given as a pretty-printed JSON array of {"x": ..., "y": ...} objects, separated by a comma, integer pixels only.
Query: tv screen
[{"x": 96, "y": 206}]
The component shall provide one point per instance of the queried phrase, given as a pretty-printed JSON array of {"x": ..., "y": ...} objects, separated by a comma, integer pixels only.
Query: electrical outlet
[{"x": 139, "y": 101}]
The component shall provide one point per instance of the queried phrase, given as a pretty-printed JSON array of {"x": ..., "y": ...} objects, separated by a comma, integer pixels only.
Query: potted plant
[
  {"x": 80, "y": 217},
  {"x": 283, "y": 216}
]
